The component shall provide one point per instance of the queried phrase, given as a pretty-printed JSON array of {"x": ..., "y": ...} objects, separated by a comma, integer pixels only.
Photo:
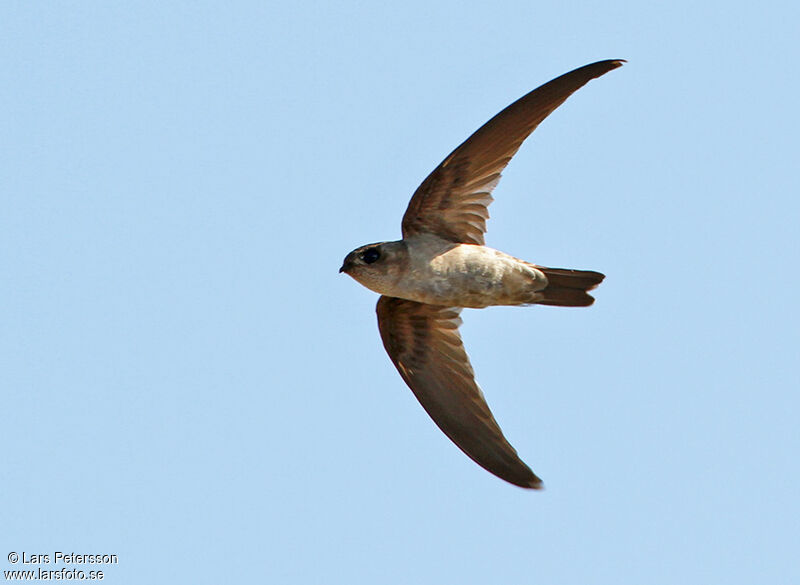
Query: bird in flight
[{"x": 442, "y": 265}]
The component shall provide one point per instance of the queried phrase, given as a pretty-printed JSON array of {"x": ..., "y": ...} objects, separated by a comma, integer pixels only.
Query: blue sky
[{"x": 188, "y": 383}]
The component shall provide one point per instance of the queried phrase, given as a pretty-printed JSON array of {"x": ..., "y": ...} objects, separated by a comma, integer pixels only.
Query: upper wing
[
  {"x": 452, "y": 202},
  {"x": 423, "y": 342}
]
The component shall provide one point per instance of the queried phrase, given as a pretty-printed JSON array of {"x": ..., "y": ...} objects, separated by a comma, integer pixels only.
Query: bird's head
[{"x": 377, "y": 266}]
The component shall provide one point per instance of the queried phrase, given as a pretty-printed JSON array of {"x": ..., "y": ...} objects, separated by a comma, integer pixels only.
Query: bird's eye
[{"x": 370, "y": 256}]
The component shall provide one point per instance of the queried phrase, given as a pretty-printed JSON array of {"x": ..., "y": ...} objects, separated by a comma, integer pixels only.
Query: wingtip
[
  {"x": 533, "y": 483},
  {"x": 536, "y": 484},
  {"x": 614, "y": 63},
  {"x": 598, "y": 68}
]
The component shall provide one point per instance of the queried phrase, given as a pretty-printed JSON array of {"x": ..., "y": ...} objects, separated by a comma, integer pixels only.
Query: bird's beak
[{"x": 347, "y": 264}]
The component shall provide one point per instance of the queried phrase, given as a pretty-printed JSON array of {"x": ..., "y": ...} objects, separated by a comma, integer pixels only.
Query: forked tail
[{"x": 569, "y": 288}]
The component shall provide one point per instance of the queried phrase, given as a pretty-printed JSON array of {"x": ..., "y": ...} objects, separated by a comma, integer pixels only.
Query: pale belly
[{"x": 467, "y": 275}]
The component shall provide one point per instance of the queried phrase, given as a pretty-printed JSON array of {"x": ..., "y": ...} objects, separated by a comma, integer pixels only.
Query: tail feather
[{"x": 568, "y": 288}]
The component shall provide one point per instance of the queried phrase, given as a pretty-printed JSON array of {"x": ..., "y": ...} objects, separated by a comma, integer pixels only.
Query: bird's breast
[{"x": 467, "y": 275}]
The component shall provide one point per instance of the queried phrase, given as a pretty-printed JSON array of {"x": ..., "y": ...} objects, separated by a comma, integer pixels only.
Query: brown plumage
[
  {"x": 568, "y": 288},
  {"x": 442, "y": 265},
  {"x": 452, "y": 201},
  {"x": 424, "y": 344}
]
